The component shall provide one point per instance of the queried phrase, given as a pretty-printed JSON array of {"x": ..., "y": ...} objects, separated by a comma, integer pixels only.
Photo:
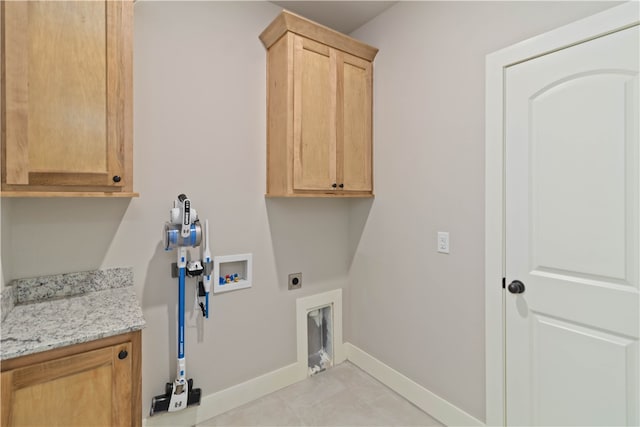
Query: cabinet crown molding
[{"x": 289, "y": 21}]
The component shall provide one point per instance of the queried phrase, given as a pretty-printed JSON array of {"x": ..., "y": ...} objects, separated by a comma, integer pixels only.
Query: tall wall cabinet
[
  {"x": 67, "y": 98},
  {"x": 319, "y": 111}
]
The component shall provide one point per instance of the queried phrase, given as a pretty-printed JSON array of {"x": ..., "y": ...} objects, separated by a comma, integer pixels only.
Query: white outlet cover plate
[{"x": 443, "y": 242}]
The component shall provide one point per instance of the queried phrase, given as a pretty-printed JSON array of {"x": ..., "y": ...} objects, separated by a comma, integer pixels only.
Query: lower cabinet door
[{"x": 87, "y": 389}]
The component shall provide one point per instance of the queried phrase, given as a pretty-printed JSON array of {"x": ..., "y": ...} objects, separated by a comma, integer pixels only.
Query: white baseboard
[
  {"x": 224, "y": 400},
  {"x": 434, "y": 405}
]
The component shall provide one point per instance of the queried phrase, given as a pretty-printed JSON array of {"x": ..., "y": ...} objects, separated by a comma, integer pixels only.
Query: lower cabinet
[{"x": 96, "y": 383}]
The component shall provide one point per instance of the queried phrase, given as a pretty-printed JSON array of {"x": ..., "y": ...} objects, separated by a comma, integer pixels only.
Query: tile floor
[{"x": 341, "y": 396}]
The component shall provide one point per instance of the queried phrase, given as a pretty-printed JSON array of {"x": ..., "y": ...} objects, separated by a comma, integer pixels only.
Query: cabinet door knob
[
  {"x": 341, "y": 186},
  {"x": 334, "y": 185},
  {"x": 123, "y": 354},
  {"x": 117, "y": 178}
]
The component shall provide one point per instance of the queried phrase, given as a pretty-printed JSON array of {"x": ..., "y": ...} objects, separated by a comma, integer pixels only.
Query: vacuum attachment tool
[{"x": 161, "y": 403}]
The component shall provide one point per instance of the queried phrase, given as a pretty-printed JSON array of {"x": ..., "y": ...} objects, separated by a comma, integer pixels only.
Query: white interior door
[{"x": 572, "y": 235}]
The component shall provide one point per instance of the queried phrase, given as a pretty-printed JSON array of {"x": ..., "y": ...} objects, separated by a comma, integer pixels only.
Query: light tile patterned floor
[{"x": 342, "y": 396}]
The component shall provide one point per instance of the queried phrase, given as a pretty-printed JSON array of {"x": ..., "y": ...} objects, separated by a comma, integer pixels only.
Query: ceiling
[{"x": 343, "y": 16}]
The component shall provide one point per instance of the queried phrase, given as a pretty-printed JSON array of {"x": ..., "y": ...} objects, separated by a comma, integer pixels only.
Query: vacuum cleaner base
[{"x": 161, "y": 403}]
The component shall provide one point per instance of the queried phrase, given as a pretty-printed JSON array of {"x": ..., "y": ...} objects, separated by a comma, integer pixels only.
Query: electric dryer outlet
[{"x": 295, "y": 281}]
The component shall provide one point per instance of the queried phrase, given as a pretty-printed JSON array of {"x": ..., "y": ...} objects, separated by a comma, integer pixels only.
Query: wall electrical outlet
[
  {"x": 443, "y": 242},
  {"x": 295, "y": 281}
]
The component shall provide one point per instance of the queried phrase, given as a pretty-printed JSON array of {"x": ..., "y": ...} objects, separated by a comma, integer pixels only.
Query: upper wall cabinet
[
  {"x": 67, "y": 98},
  {"x": 319, "y": 111}
]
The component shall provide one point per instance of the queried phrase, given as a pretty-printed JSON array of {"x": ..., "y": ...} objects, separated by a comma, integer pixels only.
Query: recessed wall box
[
  {"x": 319, "y": 332},
  {"x": 232, "y": 272}
]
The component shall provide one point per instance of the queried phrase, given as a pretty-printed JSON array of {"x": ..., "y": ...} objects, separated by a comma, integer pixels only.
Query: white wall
[
  {"x": 418, "y": 311},
  {"x": 200, "y": 128}
]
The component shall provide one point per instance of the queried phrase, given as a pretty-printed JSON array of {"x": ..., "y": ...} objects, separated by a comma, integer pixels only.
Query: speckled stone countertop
[{"x": 61, "y": 310}]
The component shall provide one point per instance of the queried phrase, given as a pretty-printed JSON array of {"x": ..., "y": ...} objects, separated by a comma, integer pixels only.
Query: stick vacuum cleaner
[{"x": 183, "y": 231}]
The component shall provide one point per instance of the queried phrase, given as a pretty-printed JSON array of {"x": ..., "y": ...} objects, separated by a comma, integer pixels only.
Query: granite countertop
[{"x": 57, "y": 311}]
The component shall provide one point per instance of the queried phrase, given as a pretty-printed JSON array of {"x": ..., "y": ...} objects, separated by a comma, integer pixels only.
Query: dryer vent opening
[{"x": 320, "y": 339}]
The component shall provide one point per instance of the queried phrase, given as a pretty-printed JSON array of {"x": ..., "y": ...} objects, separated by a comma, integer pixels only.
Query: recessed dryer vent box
[{"x": 231, "y": 272}]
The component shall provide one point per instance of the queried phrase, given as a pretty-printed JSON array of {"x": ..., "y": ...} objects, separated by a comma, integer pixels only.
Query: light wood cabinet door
[
  {"x": 314, "y": 123},
  {"x": 354, "y": 123},
  {"x": 92, "y": 388},
  {"x": 67, "y": 91}
]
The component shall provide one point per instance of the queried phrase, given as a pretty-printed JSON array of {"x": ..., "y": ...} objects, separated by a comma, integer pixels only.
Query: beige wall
[
  {"x": 422, "y": 312},
  {"x": 200, "y": 128}
]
